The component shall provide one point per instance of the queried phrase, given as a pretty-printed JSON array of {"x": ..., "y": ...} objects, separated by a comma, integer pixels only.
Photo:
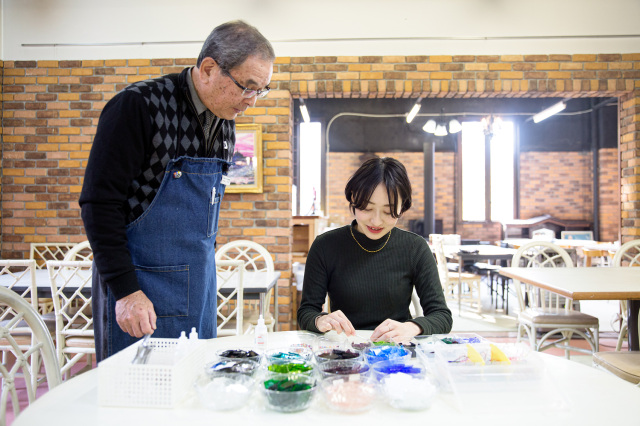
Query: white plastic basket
[{"x": 161, "y": 382}]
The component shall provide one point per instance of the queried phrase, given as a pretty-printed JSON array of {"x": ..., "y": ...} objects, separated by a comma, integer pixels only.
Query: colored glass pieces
[
  {"x": 290, "y": 367},
  {"x": 286, "y": 355},
  {"x": 399, "y": 368},
  {"x": 338, "y": 354},
  {"x": 386, "y": 353},
  {"x": 346, "y": 369},
  {"x": 228, "y": 366},
  {"x": 460, "y": 340},
  {"x": 238, "y": 353},
  {"x": 361, "y": 346},
  {"x": 286, "y": 385}
]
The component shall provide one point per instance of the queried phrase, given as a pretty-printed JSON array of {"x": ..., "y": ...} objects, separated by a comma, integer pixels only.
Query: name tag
[{"x": 226, "y": 180}]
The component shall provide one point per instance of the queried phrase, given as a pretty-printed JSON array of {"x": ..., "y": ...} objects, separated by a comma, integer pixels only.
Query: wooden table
[{"x": 613, "y": 283}]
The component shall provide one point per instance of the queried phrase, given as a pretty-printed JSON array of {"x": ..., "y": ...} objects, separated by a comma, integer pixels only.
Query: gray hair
[{"x": 231, "y": 43}]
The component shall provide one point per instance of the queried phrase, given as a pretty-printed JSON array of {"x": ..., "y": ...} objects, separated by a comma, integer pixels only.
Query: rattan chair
[
  {"x": 257, "y": 259},
  {"x": 80, "y": 251},
  {"x": 627, "y": 255},
  {"x": 231, "y": 306},
  {"x": 70, "y": 282},
  {"x": 19, "y": 314},
  {"x": 450, "y": 280},
  {"x": 547, "y": 312}
]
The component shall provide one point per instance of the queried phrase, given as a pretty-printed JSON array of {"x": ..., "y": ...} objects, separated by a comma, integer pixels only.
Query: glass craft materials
[
  {"x": 286, "y": 354},
  {"x": 289, "y": 393},
  {"x": 224, "y": 392},
  {"x": 238, "y": 353},
  {"x": 325, "y": 355},
  {"x": 410, "y": 367},
  {"x": 351, "y": 394},
  {"x": 344, "y": 368},
  {"x": 228, "y": 366},
  {"x": 305, "y": 339},
  {"x": 330, "y": 341},
  {"x": 407, "y": 392},
  {"x": 301, "y": 349},
  {"x": 385, "y": 353},
  {"x": 296, "y": 367},
  {"x": 361, "y": 346}
]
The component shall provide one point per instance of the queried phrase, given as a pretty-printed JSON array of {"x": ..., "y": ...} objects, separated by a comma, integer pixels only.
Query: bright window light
[
  {"x": 501, "y": 177},
  {"x": 472, "y": 172},
  {"x": 502, "y": 173},
  {"x": 310, "y": 168}
]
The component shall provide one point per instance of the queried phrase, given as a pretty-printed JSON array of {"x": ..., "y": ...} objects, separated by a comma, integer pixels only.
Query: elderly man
[{"x": 153, "y": 186}]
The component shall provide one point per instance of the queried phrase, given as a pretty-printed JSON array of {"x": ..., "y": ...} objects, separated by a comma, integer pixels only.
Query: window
[
  {"x": 487, "y": 172},
  {"x": 310, "y": 148}
]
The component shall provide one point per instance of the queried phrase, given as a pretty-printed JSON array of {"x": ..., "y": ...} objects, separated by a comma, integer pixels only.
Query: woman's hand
[
  {"x": 335, "y": 321},
  {"x": 394, "y": 331}
]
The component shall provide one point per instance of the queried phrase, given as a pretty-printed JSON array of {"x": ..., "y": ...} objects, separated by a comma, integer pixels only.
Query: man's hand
[
  {"x": 335, "y": 321},
  {"x": 135, "y": 314}
]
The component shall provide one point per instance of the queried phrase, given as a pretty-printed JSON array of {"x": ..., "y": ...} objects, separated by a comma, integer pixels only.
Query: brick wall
[
  {"x": 609, "y": 206},
  {"x": 560, "y": 185},
  {"x": 50, "y": 111}
]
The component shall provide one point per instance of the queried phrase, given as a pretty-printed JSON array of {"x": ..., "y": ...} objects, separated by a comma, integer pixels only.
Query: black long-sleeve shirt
[{"x": 371, "y": 287}]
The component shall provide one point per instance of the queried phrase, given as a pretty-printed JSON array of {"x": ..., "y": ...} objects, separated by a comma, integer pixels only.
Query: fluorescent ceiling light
[
  {"x": 414, "y": 111},
  {"x": 304, "y": 112},
  {"x": 553, "y": 109},
  {"x": 430, "y": 126}
]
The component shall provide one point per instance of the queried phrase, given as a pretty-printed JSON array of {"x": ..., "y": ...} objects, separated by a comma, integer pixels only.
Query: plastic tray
[{"x": 162, "y": 382}]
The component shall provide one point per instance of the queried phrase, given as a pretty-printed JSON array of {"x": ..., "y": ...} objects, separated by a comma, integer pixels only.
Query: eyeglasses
[{"x": 246, "y": 92}]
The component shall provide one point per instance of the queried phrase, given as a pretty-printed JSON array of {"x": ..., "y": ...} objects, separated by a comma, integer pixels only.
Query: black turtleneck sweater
[{"x": 371, "y": 287}]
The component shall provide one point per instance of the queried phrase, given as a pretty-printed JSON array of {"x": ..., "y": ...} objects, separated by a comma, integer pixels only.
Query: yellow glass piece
[
  {"x": 473, "y": 355},
  {"x": 498, "y": 355}
]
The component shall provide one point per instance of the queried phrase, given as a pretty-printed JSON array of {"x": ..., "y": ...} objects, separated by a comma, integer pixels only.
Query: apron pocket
[
  {"x": 214, "y": 213},
  {"x": 167, "y": 287}
]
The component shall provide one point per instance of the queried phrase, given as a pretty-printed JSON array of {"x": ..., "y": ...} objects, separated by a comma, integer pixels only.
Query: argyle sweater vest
[{"x": 176, "y": 132}]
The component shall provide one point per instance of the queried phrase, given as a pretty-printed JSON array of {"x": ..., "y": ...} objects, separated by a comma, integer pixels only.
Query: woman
[{"x": 369, "y": 268}]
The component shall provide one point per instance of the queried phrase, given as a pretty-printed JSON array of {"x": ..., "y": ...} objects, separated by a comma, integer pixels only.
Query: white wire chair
[
  {"x": 19, "y": 314},
  {"x": 80, "y": 251},
  {"x": 257, "y": 260},
  {"x": 548, "y": 312},
  {"x": 19, "y": 276},
  {"x": 74, "y": 323},
  {"x": 41, "y": 252},
  {"x": 231, "y": 306},
  {"x": 627, "y": 255}
]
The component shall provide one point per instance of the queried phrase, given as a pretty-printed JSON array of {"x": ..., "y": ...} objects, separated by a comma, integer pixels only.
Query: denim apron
[{"x": 172, "y": 248}]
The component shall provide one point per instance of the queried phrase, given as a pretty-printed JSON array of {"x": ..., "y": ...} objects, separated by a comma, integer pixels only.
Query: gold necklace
[{"x": 369, "y": 251}]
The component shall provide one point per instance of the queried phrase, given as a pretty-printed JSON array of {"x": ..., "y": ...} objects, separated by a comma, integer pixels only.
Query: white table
[
  {"x": 255, "y": 285},
  {"x": 43, "y": 282},
  {"x": 612, "y": 283},
  {"x": 591, "y": 397}
]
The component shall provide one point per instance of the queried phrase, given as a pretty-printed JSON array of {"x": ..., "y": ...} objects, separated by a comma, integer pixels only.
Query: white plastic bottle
[
  {"x": 193, "y": 339},
  {"x": 260, "y": 334},
  {"x": 182, "y": 347}
]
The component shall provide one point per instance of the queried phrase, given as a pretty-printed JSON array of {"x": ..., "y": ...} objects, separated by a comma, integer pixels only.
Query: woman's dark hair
[
  {"x": 371, "y": 173},
  {"x": 231, "y": 43}
]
